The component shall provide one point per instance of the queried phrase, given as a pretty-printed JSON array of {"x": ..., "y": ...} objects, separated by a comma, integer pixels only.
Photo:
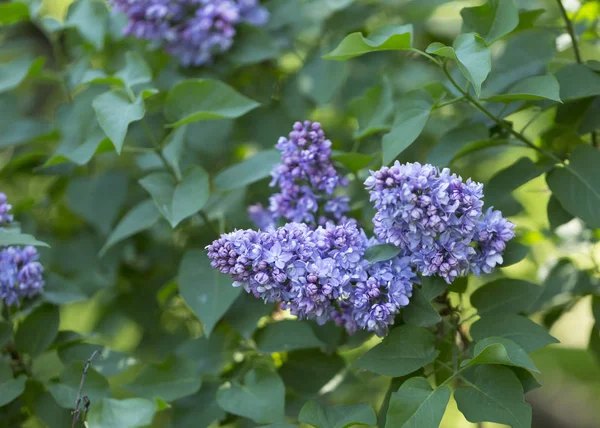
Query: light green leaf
[
  {"x": 173, "y": 149},
  {"x": 135, "y": 72},
  {"x": 95, "y": 143},
  {"x": 381, "y": 253},
  {"x": 13, "y": 12},
  {"x": 205, "y": 99},
  {"x": 8, "y": 238},
  {"x": 578, "y": 187},
  {"x": 98, "y": 199},
  {"x": 261, "y": 398},
  {"x": 412, "y": 113},
  {"x": 141, "y": 217},
  {"x": 492, "y": 20},
  {"x": 37, "y": 332},
  {"x": 493, "y": 394},
  {"x": 531, "y": 89},
  {"x": 373, "y": 110},
  {"x": 313, "y": 413},
  {"x": 170, "y": 380},
  {"x": 90, "y": 18},
  {"x": 498, "y": 350},
  {"x": 405, "y": 349},
  {"x": 577, "y": 81},
  {"x": 10, "y": 388},
  {"x": 505, "y": 296},
  {"x": 248, "y": 171},
  {"x": 12, "y": 74},
  {"x": 208, "y": 292},
  {"x": 115, "y": 111},
  {"x": 454, "y": 140},
  {"x": 65, "y": 390},
  {"x": 417, "y": 405},
  {"x": 390, "y": 37},
  {"x": 353, "y": 161},
  {"x": 521, "y": 330},
  {"x": 177, "y": 201},
  {"x": 129, "y": 413},
  {"x": 420, "y": 311},
  {"x": 286, "y": 335}
]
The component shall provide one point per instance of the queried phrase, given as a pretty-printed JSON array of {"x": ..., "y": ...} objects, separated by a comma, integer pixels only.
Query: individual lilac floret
[
  {"x": 5, "y": 207},
  {"x": 493, "y": 232},
  {"x": 192, "y": 30},
  {"x": 20, "y": 274},
  {"x": 433, "y": 216}
]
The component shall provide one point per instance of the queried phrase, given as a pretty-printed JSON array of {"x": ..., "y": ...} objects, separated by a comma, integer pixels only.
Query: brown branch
[{"x": 77, "y": 412}]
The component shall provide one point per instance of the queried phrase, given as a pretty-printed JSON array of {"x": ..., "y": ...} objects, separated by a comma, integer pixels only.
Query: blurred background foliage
[{"x": 127, "y": 299}]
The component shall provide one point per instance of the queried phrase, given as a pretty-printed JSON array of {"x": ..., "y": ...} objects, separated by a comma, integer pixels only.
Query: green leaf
[
  {"x": 286, "y": 335},
  {"x": 90, "y": 19},
  {"x": 514, "y": 253},
  {"x": 561, "y": 281},
  {"x": 14, "y": 73},
  {"x": 261, "y": 398},
  {"x": 472, "y": 56},
  {"x": 205, "y": 99},
  {"x": 451, "y": 143},
  {"x": 188, "y": 414},
  {"x": 390, "y": 37},
  {"x": 577, "y": 187},
  {"x": 527, "y": 379},
  {"x": 412, "y": 113},
  {"x": 307, "y": 371},
  {"x": 170, "y": 380},
  {"x": 381, "y": 253},
  {"x": 248, "y": 171},
  {"x": 38, "y": 331},
  {"x": 420, "y": 311},
  {"x": 8, "y": 238},
  {"x": 459, "y": 285},
  {"x": 208, "y": 292},
  {"x": 493, "y": 394},
  {"x": 13, "y": 12},
  {"x": 417, "y": 405},
  {"x": 245, "y": 313},
  {"x": 531, "y": 89},
  {"x": 521, "y": 330},
  {"x": 178, "y": 201},
  {"x": 129, "y": 413},
  {"x": 405, "y": 349},
  {"x": 173, "y": 149},
  {"x": 577, "y": 81},
  {"x": 353, "y": 161},
  {"x": 65, "y": 390},
  {"x": 253, "y": 45},
  {"x": 433, "y": 286},
  {"x": 557, "y": 215},
  {"x": 313, "y": 413},
  {"x": 492, "y": 20},
  {"x": 211, "y": 355},
  {"x": 499, "y": 350},
  {"x": 58, "y": 290},
  {"x": 505, "y": 296},
  {"x": 115, "y": 111},
  {"x": 135, "y": 72},
  {"x": 98, "y": 199},
  {"x": 10, "y": 388},
  {"x": 320, "y": 80},
  {"x": 373, "y": 110},
  {"x": 6, "y": 332},
  {"x": 141, "y": 217}
]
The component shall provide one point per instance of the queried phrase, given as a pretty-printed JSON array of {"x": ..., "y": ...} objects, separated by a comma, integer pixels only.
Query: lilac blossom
[{"x": 5, "y": 207}]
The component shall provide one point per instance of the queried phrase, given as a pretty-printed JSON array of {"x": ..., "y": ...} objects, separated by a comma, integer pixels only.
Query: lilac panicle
[
  {"x": 20, "y": 271},
  {"x": 192, "y": 30},
  {"x": 437, "y": 220}
]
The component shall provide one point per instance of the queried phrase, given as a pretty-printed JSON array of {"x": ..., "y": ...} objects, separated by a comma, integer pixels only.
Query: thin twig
[
  {"x": 77, "y": 410},
  {"x": 571, "y": 31}
]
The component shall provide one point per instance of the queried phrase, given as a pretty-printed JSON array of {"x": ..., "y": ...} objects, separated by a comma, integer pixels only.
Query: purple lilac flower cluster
[
  {"x": 192, "y": 30},
  {"x": 20, "y": 272},
  {"x": 317, "y": 273},
  {"x": 437, "y": 220},
  {"x": 306, "y": 179}
]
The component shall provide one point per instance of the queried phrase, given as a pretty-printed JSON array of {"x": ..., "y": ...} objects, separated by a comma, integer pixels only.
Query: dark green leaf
[
  {"x": 307, "y": 371},
  {"x": 406, "y": 349},
  {"x": 412, "y": 113},
  {"x": 245, "y": 313},
  {"x": 577, "y": 187},
  {"x": 65, "y": 390},
  {"x": 353, "y": 161},
  {"x": 115, "y": 111},
  {"x": 492, "y": 20},
  {"x": 557, "y": 215},
  {"x": 38, "y": 331},
  {"x": 374, "y": 110},
  {"x": 170, "y": 380},
  {"x": 498, "y": 350},
  {"x": 205, "y": 99},
  {"x": 208, "y": 292},
  {"x": 313, "y": 413},
  {"x": 129, "y": 413},
  {"x": 531, "y": 89},
  {"x": 459, "y": 285},
  {"x": 433, "y": 286},
  {"x": 252, "y": 45},
  {"x": 261, "y": 398},
  {"x": 381, "y": 252},
  {"x": 8, "y": 238},
  {"x": 505, "y": 296},
  {"x": 286, "y": 335},
  {"x": 10, "y": 388},
  {"x": 521, "y": 330},
  {"x": 15, "y": 72},
  {"x": 493, "y": 394},
  {"x": 528, "y": 381},
  {"x": 420, "y": 311},
  {"x": 188, "y": 414},
  {"x": 173, "y": 149},
  {"x": 60, "y": 290},
  {"x": 90, "y": 18},
  {"x": 141, "y": 217},
  {"x": 391, "y": 37},
  {"x": 514, "y": 253},
  {"x": 6, "y": 332},
  {"x": 213, "y": 354},
  {"x": 560, "y": 282},
  {"x": 178, "y": 201},
  {"x": 417, "y": 405},
  {"x": 454, "y": 140},
  {"x": 577, "y": 81},
  {"x": 248, "y": 171}
]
